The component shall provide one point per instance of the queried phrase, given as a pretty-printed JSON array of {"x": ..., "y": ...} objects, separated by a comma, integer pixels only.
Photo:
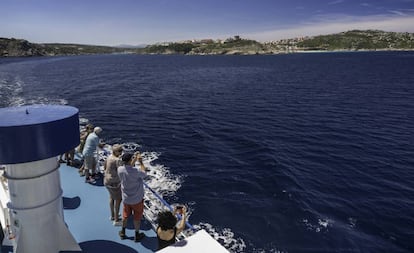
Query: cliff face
[{"x": 17, "y": 47}]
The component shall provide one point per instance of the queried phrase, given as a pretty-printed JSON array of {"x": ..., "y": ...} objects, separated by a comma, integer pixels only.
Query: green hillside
[
  {"x": 352, "y": 40},
  {"x": 20, "y": 47},
  {"x": 359, "y": 40}
]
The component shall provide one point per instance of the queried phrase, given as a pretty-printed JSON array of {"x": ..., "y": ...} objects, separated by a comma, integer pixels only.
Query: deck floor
[{"x": 86, "y": 212}]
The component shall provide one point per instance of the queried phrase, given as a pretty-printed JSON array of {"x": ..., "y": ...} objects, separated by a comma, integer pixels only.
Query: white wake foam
[
  {"x": 322, "y": 225},
  {"x": 12, "y": 93}
]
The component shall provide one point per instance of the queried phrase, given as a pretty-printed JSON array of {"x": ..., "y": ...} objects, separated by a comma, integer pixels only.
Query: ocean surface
[{"x": 281, "y": 153}]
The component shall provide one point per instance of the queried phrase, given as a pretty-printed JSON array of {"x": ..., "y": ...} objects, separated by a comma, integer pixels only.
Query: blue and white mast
[{"x": 31, "y": 138}]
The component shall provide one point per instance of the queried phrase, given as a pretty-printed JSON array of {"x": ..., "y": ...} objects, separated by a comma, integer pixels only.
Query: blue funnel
[{"x": 36, "y": 132}]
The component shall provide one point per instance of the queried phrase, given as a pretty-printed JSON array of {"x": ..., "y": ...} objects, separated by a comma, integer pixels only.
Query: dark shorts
[{"x": 137, "y": 209}]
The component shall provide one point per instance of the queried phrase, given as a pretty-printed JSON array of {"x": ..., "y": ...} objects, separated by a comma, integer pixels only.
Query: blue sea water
[{"x": 281, "y": 153}]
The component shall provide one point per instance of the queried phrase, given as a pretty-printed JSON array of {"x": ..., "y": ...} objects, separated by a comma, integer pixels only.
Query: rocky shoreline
[{"x": 370, "y": 40}]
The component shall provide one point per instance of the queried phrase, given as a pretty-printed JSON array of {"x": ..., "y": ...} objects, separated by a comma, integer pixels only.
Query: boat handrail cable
[{"x": 165, "y": 203}]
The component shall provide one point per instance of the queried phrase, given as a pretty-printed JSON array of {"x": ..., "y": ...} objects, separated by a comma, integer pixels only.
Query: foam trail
[
  {"x": 11, "y": 91},
  {"x": 322, "y": 225}
]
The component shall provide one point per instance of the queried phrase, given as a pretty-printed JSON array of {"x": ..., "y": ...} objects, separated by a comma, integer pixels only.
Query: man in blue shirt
[
  {"x": 132, "y": 187},
  {"x": 91, "y": 144}
]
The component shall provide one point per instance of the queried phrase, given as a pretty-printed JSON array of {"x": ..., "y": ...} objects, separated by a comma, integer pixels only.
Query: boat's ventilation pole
[{"x": 31, "y": 137}]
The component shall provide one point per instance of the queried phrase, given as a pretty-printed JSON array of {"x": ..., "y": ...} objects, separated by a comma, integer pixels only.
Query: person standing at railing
[
  {"x": 132, "y": 187},
  {"x": 113, "y": 183},
  {"x": 91, "y": 144},
  {"x": 83, "y": 136},
  {"x": 167, "y": 229}
]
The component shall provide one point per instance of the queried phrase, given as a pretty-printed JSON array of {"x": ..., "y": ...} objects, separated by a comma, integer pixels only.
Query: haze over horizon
[{"x": 130, "y": 22}]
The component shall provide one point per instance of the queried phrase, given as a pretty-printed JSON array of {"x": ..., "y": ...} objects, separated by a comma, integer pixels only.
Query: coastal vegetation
[
  {"x": 20, "y": 47},
  {"x": 355, "y": 40},
  {"x": 358, "y": 40}
]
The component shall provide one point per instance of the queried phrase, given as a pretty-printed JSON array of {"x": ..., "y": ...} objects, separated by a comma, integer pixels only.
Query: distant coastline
[{"x": 350, "y": 41}]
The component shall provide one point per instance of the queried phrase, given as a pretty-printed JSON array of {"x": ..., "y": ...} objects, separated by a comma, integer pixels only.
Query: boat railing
[
  {"x": 151, "y": 210},
  {"x": 152, "y": 217},
  {"x": 4, "y": 210}
]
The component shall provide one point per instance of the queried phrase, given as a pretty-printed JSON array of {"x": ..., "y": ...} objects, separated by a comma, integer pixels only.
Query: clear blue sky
[{"x": 104, "y": 22}]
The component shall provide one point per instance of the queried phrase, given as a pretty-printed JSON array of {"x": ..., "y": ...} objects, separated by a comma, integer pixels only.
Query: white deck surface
[{"x": 200, "y": 242}]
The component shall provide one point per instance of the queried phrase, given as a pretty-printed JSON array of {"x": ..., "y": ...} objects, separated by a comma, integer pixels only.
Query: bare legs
[
  {"x": 114, "y": 205},
  {"x": 111, "y": 207},
  {"x": 137, "y": 224},
  {"x": 117, "y": 205}
]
